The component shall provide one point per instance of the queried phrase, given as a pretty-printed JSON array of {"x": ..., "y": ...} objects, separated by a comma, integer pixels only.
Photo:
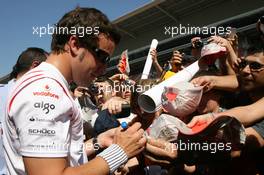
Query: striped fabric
[{"x": 115, "y": 156}]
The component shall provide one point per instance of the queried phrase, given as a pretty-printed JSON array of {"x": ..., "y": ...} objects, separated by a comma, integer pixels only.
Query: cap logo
[{"x": 171, "y": 96}]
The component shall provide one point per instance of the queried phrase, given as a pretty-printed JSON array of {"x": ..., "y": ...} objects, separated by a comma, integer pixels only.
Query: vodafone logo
[
  {"x": 46, "y": 93},
  {"x": 47, "y": 88}
]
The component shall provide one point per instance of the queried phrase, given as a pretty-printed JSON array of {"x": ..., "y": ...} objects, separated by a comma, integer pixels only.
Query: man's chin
[{"x": 247, "y": 87}]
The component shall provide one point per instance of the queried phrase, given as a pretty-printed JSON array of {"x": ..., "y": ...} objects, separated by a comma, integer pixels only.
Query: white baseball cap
[
  {"x": 211, "y": 52},
  {"x": 181, "y": 99}
]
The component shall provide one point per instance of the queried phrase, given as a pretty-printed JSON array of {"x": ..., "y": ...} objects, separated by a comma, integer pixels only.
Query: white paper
[{"x": 148, "y": 62}]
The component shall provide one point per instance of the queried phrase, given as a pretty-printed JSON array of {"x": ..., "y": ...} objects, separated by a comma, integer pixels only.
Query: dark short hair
[
  {"x": 26, "y": 58},
  {"x": 87, "y": 18},
  {"x": 254, "y": 49}
]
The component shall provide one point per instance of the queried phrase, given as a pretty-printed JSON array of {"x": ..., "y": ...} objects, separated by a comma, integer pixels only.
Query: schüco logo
[
  {"x": 44, "y": 106},
  {"x": 42, "y": 131}
]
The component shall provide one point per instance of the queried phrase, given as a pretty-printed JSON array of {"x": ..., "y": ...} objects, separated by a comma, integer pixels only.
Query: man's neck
[
  {"x": 174, "y": 69},
  {"x": 19, "y": 75},
  {"x": 62, "y": 63},
  {"x": 256, "y": 94}
]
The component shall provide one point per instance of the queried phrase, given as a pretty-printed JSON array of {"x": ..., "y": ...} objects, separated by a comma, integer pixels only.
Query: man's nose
[{"x": 246, "y": 70}]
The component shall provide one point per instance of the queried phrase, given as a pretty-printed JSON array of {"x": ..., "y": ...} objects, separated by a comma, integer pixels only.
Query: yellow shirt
[{"x": 168, "y": 74}]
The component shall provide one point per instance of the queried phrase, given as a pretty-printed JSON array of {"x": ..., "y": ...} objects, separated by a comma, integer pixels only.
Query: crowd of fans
[{"x": 66, "y": 97}]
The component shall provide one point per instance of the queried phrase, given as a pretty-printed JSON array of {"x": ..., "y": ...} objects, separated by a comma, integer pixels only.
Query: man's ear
[
  {"x": 34, "y": 64},
  {"x": 73, "y": 46}
]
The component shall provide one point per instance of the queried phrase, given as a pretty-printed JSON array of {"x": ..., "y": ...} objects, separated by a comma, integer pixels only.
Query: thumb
[
  {"x": 222, "y": 44},
  {"x": 194, "y": 81},
  {"x": 192, "y": 122}
]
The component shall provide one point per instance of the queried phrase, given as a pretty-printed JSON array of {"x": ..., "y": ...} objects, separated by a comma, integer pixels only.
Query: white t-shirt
[
  {"x": 4, "y": 91},
  {"x": 42, "y": 120}
]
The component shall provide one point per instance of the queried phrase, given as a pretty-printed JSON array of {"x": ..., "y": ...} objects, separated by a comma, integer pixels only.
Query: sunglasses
[
  {"x": 253, "y": 65},
  {"x": 101, "y": 55}
]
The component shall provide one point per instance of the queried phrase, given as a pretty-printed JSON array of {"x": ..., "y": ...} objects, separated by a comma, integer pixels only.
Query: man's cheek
[{"x": 260, "y": 80}]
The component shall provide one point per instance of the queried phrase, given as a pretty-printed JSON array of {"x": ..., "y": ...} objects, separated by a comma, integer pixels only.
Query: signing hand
[{"x": 131, "y": 140}]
